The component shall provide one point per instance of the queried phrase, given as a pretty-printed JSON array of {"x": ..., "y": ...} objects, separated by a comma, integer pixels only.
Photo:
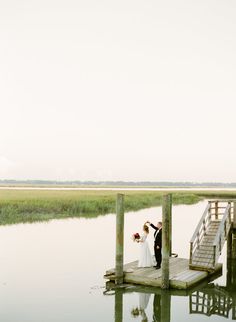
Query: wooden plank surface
[{"x": 181, "y": 277}]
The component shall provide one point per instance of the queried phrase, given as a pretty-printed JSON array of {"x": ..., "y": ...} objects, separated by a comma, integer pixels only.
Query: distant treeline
[{"x": 120, "y": 183}]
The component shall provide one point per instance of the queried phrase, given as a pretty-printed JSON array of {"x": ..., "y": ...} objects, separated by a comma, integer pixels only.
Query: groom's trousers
[{"x": 158, "y": 256}]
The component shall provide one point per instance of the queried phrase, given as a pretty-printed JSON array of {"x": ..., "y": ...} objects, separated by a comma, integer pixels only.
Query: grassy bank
[{"x": 17, "y": 206}]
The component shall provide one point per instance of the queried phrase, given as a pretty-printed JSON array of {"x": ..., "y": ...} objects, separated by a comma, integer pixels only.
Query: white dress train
[{"x": 145, "y": 257}]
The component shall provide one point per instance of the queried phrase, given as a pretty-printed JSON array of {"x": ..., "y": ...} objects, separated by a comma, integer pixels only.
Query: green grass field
[{"x": 19, "y": 206}]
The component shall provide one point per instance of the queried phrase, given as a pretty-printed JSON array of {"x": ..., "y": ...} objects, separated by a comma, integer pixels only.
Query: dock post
[
  {"x": 170, "y": 222},
  {"x": 230, "y": 244},
  {"x": 165, "y": 284},
  {"x": 233, "y": 234},
  {"x": 231, "y": 275},
  {"x": 216, "y": 210},
  {"x": 119, "y": 238},
  {"x": 234, "y": 215},
  {"x": 233, "y": 244}
]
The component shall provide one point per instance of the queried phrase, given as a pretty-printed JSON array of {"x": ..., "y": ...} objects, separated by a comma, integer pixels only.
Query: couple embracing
[{"x": 145, "y": 258}]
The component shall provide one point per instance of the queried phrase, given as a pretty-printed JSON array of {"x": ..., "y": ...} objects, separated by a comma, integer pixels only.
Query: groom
[{"x": 157, "y": 242}]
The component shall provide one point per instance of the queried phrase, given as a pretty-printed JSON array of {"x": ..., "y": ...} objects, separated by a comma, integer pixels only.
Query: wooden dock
[
  {"x": 214, "y": 228},
  {"x": 180, "y": 275}
]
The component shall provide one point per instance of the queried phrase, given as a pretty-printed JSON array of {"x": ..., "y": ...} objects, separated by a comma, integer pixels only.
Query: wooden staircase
[
  {"x": 204, "y": 254},
  {"x": 210, "y": 235}
]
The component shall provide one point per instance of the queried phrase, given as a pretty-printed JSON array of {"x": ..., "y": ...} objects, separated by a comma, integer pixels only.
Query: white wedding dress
[{"x": 145, "y": 257}]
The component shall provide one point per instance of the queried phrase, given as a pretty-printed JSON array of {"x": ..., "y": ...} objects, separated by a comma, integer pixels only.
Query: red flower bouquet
[{"x": 135, "y": 236}]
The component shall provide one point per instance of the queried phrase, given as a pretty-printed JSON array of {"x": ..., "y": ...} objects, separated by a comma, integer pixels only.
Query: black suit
[{"x": 157, "y": 242}]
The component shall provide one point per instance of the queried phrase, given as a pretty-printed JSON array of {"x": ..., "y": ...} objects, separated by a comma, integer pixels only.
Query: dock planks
[{"x": 181, "y": 277}]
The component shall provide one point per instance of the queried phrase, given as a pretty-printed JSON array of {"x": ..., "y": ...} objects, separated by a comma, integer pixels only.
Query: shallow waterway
[{"x": 53, "y": 271}]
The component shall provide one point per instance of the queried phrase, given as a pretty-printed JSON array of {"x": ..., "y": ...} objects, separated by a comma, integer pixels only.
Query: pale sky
[{"x": 118, "y": 90}]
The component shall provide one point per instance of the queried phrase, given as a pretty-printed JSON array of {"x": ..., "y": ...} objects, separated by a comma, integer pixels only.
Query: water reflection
[
  {"x": 140, "y": 310},
  {"x": 49, "y": 266},
  {"x": 212, "y": 300},
  {"x": 157, "y": 308},
  {"x": 208, "y": 299}
]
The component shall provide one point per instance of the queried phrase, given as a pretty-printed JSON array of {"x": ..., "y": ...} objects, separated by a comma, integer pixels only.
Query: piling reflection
[
  {"x": 157, "y": 308},
  {"x": 207, "y": 299},
  {"x": 118, "y": 305}
]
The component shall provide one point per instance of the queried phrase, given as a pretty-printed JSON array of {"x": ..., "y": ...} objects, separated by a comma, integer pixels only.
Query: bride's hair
[{"x": 145, "y": 228}]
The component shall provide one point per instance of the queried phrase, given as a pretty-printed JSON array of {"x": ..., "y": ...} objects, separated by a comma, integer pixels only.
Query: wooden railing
[
  {"x": 200, "y": 231},
  {"x": 222, "y": 211},
  {"x": 222, "y": 232}
]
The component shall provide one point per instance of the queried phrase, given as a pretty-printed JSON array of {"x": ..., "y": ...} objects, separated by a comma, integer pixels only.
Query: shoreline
[{"x": 170, "y": 189}]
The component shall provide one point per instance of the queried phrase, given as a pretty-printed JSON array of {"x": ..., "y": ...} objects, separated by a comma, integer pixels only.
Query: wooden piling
[
  {"x": 170, "y": 222},
  {"x": 231, "y": 275},
  {"x": 234, "y": 216},
  {"x": 233, "y": 244},
  {"x": 165, "y": 284},
  {"x": 119, "y": 238},
  {"x": 216, "y": 210},
  {"x": 229, "y": 245},
  {"x": 234, "y": 232}
]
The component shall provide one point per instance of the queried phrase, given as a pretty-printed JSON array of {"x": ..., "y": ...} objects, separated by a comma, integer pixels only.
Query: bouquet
[{"x": 135, "y": 236}]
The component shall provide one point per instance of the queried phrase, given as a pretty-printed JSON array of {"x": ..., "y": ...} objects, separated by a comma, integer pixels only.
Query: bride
[{"x": 145, "y": 257}]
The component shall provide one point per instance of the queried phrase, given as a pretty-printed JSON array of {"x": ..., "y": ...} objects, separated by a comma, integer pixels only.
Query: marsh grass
[{"x": 19, "y": 206}]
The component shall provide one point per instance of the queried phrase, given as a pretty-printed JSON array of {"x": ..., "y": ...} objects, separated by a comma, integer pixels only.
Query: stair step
[
  {"x": 203, "y": 258},
  {"x": 208, "y": 242},
  {"x": 204, "y": 249},
  {"x": 202, "y": 262},
  {"x": 200, "y": 266},
  {"x": 203, "y": 254},
  {"x": 208, "y": 237}
]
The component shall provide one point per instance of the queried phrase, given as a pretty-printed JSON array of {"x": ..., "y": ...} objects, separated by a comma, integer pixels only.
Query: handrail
[
  {"x": 210, "y": 215},
  {"x": 221, "y": 226},
  {"x": 222, "y": 233},
  {"x": 200, "y": 223},
  {"x": 200, "y": 231}
]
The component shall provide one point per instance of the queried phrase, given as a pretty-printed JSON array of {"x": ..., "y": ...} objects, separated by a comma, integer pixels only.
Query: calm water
[{"x": 54, "y": 271}]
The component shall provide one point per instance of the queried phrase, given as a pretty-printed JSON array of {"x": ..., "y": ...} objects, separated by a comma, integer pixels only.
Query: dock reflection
[
  {"x": 214, "y": 299},
  {"x": 207, "y": 299}
]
